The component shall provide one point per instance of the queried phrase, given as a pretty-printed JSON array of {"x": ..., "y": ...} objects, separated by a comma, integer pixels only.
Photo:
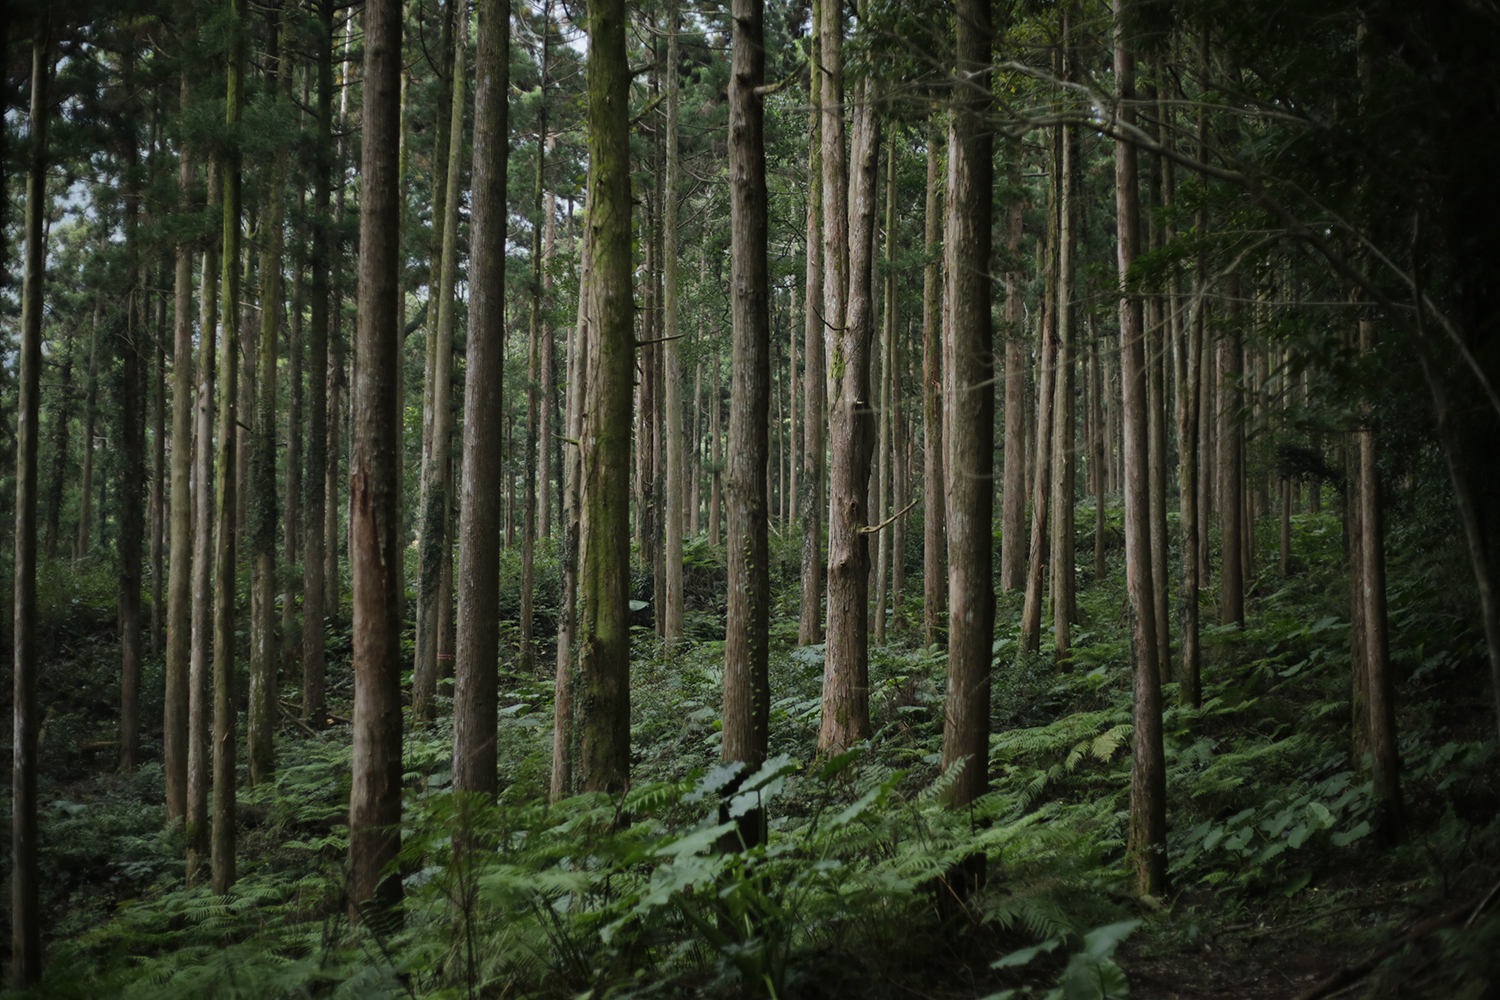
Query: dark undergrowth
[{"x": 868, "y": 885}]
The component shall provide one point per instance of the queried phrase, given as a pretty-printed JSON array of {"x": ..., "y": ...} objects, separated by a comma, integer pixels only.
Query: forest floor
[{"x": 1280, "y": 886}]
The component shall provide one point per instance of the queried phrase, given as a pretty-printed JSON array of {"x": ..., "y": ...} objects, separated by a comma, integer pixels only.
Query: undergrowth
[{"x": 868, "y": 884}]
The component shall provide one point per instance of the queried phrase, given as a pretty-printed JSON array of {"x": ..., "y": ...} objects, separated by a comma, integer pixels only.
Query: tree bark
[
  {"x": 27, "y": 958},
  {"x": 716, "y": 433},
  {"x": 812, "y": 503},
  {"x": 851, "y": 433},
  {"x": 200, "y": 662},
  {"x": 747, "y": 694},
  {"x": 1231, "y": 467},
  {"x": 374, "y": 540},
  {"x": 180, "y": 572},
  {"x": 835, "y": 212},
  {"x": 131, "y": 398},
  {"x": 1148, "y": 812},
  {"x": 316, "y": 502},
  {"x": 1384, "y": 754},
  {"x": 477, "y": 649},
  {"x": 970, "y": 409},
  {"x": 564, "y": 746},
  {"x": 437, "y": 484},
  {"x": 1041, "y": 481},
  {"x": 90, "y": 415},
  {"x": 676, "y": 480},
  {"x": 226, "y": 468},
  {"x": 602, "y": 707},
  {"x": 1063, "y": 416},
  {"x": 62, "y": 425},
  {"x": 1013, "y": 512},
  {"x": 527, "y": 656},
  {"x": 264, "y": 656},
  {"x": 887, "y": 402}
]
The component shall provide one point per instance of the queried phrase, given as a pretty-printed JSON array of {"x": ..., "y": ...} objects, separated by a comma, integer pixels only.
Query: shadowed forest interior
[{"x": 993, "y": 499}]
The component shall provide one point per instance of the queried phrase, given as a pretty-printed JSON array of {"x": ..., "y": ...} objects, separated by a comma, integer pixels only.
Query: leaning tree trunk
[
  {"x": 970, "y": 414},
  {"x": 477, "y": 645}
]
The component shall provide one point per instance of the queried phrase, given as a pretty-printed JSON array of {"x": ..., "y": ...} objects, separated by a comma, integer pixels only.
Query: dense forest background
[{"x": 599, "y": 499}]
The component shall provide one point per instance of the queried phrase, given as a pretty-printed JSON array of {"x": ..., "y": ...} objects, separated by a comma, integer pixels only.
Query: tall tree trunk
[
  {"x": 549, "y": 459},
  {"x": 225, "y": 471},
  {"x": 90, "y": 414},
  {"x": 834, "y": 205},
  {"x": 1189, "y": 431},
  {"x": 887, "y": 400},
  {"x": 602, "y": 706},
  {"x": 970, "y": 417},
  {"x": 1148, "y": 792},
  {"x": 1013, "y": 512},
  {"x": 1231, "y": 467},
  {"x": 563, "y": 731},
  {"x": 1096, "y": 454},
  {"x": 200, "y": 655},
  {"x": 264, "y": 654},
  {"x": 477, "y": 649},
  {"x": 182, "y": 545},
  {"x": 131, "y": 396},
  {"x": 374, "y": 537},
  {"x": 1032, "y": 609},
  {"x": 935, "y": 492},
  {"x": 527, "y": 657},
  {"x": 27, "y": 959},
  {"x": 695, "y": 456},
  {"x": 716, "y": 432},
  {"x": 812, "y": 503},
  {"x": 317, "y": 501},
  {"x": 62, "y": 425},
  {"x": 292, "y": 531},
  {"x": 747, "y": 694},
  {"x": 851, "y": 433},
  {"x": 437, "y": 485},
  {"x": 336, "y": 378},
  {"x": 1384, "y": 755},
  {"x": 1063, "y": 416},
  {"x": 672, "y": 431},
  {"x": 158, "y": 470}
]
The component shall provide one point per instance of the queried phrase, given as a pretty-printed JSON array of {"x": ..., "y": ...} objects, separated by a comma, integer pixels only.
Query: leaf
[
  {"x": 699, "y": 840},
  {"x": 1101, "y": 942},
  {"x": 1350, "y": 836},
  {"x": 1025, "y": 955},
  {"x": 1087, "y": 978},
  {"x": 714, "y": 780}
]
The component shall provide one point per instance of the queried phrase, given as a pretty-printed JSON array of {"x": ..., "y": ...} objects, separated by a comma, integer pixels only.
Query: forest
[{"x": 575, "y": 499}]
